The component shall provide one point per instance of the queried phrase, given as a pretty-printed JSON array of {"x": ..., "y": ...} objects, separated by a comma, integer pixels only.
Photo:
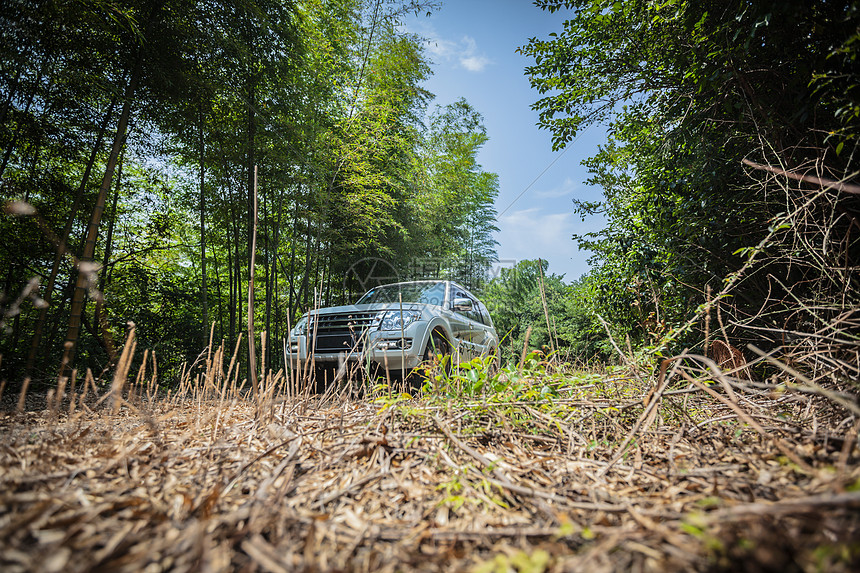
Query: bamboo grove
[{"x": 136, "y": 137}]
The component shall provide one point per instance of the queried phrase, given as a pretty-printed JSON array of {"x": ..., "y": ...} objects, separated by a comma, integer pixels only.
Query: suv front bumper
[{"x": 388, "y": 349}]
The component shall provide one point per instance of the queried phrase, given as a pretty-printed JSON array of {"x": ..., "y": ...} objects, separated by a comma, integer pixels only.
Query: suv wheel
[
  {"x": 437, "y": 354},
  {"x": 437, "y": 346}
]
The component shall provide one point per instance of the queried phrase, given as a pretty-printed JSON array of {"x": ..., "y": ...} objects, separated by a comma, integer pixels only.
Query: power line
[{"x": 553, "y": 162}]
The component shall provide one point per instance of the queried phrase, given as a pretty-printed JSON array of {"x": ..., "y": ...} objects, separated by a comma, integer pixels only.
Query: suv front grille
[{"x": 341, "y": 332}]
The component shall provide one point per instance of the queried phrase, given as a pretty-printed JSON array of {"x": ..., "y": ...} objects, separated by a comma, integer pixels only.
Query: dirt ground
[{"x": 602, "y": 475}]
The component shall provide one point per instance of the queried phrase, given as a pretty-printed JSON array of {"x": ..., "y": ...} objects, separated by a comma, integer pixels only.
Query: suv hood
[{"x": 346, "y": 309}]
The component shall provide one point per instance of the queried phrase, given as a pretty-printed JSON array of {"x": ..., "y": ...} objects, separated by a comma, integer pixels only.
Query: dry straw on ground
[{"x": 591, "y": 477}]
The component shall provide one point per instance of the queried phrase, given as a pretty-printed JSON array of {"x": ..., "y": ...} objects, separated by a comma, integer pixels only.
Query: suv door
[
  {"x": 461, "y": 326},
  {"x": 478, "y": 339},
  {"x": 482, "y": 332}
]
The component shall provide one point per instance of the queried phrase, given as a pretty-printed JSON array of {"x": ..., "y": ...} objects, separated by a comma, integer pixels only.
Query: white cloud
[
  {"x": 470, "y": 59},
  {"x": 532, "y": 234},
  {"x": 565, "y": 189},
  {"x": 441, "y": 49},
  {"x": 463, "y": 53},
  {"x": 475, "y": 63},
  {"x": 535, "y": 234}
]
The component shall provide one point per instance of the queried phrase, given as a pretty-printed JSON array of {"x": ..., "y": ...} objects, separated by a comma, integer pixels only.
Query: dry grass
[{"x": 590, "y": 478}]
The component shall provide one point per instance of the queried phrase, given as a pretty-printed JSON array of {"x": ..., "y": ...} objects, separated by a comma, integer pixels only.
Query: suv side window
[
  {"x": 475, "y": 313},
  {"x": 457, "y": 293},
  {"x": 485, "y": 315}
]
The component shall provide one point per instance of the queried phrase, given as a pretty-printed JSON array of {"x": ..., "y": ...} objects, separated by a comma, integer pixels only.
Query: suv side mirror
[{"x": 462, "y": 305}]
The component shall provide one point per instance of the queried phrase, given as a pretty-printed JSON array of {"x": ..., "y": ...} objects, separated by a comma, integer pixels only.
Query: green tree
[
  {"x": 457, "y": 201},
  {"x": 690, "y": 91},
  {"x": 516, "y": 303}
]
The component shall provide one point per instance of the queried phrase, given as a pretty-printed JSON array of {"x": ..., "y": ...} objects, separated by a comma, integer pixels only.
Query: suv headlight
[
  {"x": 301, "y": 327},
  {"x": 396, "y": 319}
]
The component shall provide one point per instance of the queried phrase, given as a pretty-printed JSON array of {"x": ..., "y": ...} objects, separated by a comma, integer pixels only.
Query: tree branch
[{"x": 823, "y": 182}]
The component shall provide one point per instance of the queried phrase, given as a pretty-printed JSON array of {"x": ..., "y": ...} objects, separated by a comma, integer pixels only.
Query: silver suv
[{"x": 397, "y": 326}]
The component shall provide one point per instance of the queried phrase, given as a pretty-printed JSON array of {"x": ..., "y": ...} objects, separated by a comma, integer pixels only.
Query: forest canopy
[
  {"x": 730, "y": 176},
  {"x": 135, "y": 136}
]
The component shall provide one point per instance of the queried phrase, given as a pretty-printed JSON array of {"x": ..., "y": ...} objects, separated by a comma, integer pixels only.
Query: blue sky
[{"x": 472, "y": 45}]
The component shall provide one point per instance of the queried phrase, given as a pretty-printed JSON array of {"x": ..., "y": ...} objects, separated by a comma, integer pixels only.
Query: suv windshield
[{"x": 426, "y": 293}]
